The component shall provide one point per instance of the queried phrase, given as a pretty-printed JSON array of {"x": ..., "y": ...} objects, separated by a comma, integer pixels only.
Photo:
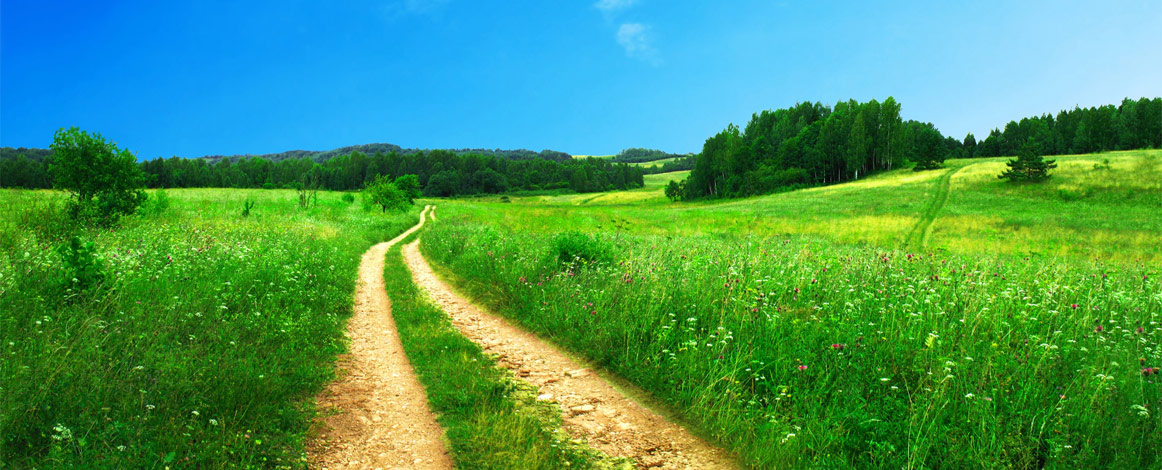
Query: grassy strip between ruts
[{"x": 491, "y": 419}]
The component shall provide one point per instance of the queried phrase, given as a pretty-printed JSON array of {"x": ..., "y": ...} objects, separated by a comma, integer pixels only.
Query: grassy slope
[
  {"x": 1024, "y": 347},
  {"x": 1070, "y": 215},
  {"x": 204, "y": 346}
]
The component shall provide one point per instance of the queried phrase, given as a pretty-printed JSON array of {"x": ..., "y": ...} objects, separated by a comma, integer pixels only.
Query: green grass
[
  {"x": 1070, "y": 216},
  {"x": 492, "y": 420},
  {"x": 798, "y": 353},
  {"x": 949, "y": 296},
  {"x": 203, "y": 347}
]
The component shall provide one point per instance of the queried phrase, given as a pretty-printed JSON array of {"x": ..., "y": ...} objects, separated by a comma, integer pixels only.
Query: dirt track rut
[
  {"x": 590, "y": 406},
  {"x": 381, "y": 415}
]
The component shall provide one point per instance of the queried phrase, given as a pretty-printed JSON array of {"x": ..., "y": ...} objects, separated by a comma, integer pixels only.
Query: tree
[
  {"x": 675, "y": 190},
  {"x": 383, "y": 193},
  {"x": 1029, "y": 166},
  {"x": 104, "y": 182},
  {"x": 927, "y": 147},
  {"x": 970, "y": 145},
  {"x": 410, "y": 185},
  {"x": 442, "y": 184}
]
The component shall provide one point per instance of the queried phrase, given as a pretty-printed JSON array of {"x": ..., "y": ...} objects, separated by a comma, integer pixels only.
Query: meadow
[
  {"x": 189, "y": 336},
  {"x": 1098, "y": 207},
  {"x": 911, "y": 319}
]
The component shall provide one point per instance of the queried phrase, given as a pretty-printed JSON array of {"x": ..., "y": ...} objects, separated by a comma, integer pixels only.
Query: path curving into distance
[
  {"x": 383, "y": 420},
  {"x": 921, "y": 232},
  {"x": 591, "y": 408}
]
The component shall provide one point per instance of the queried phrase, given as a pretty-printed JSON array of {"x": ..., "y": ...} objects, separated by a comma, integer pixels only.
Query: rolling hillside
[{"x": 961, "y": 208}]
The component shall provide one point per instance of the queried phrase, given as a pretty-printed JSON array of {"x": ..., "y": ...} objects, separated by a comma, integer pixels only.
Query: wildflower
[
  {"x": 838, "y": 346},
  {"x": 969, "y": 395},
  {"x": 213, "y": 422},
  {"x": 802, "y": 367},
  {"x": 1074, "y": 306}
]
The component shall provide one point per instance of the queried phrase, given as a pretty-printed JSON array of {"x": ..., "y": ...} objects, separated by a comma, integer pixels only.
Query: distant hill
[
  {"x": 33, "y": 154},
  {"x": 36, "y": 154}
]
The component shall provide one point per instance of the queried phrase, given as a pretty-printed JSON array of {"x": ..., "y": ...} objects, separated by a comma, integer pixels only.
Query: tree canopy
[{"x": 104, "y": 181}]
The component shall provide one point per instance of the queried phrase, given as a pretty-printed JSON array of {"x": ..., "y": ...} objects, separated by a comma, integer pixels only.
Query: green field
[
  {"x": 202, "y": 347},
  {"x": 912, "y": 319},
  {"x": 1068, "y": 216},
  {"x": 937, "y": 319}
]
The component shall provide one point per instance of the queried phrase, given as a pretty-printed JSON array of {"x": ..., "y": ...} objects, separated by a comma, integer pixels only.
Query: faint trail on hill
[
  {"x": 922, "y": 231},
  {"x": 591, "y": 408},
  {"x": 383, "y": 420}
]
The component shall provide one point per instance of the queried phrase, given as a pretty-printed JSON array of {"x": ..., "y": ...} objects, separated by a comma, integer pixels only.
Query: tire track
[
  {"x": 382, "y": 418},
  {"x": 591, "y": 408},
  {"x": 920, "y": 233}
]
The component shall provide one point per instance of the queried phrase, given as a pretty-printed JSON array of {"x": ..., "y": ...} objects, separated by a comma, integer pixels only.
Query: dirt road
[
  {"x": 381, "y": 415},
  {"x": 590, "y": 406}
]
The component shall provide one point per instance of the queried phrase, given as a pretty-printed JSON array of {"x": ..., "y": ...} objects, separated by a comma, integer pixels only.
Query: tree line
[
  {"x": 813, "y": 144},
  {"x": 641, "y": 155},
  {"x": 440, "y": 173},
  {"x": 1127, "y": 126},
  {"x": 804, "y": 145}
]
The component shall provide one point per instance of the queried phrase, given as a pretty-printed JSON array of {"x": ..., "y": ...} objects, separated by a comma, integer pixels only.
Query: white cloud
[
  {"x": 637, "y": 41},
  {"x": 610, "y": 6}
]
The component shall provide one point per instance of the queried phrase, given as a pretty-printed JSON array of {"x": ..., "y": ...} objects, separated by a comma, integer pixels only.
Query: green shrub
[
  {"x": 573, "y": 247},
  {"x": 160, "y": 202},
  {"x": 104, "y": 181},
  {"x": 82, "y": 268},
  {"x": 348, "y": 198}
]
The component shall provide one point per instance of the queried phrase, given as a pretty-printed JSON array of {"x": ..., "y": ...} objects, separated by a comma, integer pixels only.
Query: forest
[
  {"x": 812, "y": 144},
  {"x": 441, "y": 172}
]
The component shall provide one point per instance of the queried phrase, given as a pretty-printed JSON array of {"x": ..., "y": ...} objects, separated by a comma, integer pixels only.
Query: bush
[
  {"x": 160, "y": 202},
  {"x": 386, "y": 195},
  {"x": 82, "y": 268},
  {"x": 348, "y": 198},
  {"x": 572, "y": 247},
  {"x": 105, "y": 182}
]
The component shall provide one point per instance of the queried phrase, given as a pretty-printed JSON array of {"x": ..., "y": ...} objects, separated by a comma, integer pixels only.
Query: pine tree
[{"x": 1029, "y": 166}]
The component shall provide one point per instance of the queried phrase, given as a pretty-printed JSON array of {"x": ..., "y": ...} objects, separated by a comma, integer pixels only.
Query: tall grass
[
  {"x": 798, "y": 353},
  {"x": 201, "y": 347}
]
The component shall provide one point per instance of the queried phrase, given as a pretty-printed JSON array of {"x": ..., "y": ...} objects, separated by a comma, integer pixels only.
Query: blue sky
[{"x": 593, "y": 77}]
